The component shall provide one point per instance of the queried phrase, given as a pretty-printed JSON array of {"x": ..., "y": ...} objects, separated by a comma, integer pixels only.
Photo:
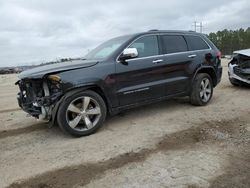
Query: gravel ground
[{"x": 167, "y": 144}]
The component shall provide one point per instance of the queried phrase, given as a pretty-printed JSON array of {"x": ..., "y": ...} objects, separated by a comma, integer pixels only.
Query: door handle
[
  {"x": 157, "y": 61},
  {"x": 192, "y": 56}
]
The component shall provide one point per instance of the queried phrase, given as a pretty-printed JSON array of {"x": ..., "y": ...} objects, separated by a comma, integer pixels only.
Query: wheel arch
[
  {"x": 210, "y": 71},
  {"x": 92, "y": 87}
]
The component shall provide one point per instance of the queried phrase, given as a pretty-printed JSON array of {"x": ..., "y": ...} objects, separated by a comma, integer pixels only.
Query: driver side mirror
[{"x": 128, "y": 53}]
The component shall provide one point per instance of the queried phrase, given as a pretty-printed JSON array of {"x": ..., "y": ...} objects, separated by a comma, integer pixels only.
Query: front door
[{"x": 141, "y": 78}]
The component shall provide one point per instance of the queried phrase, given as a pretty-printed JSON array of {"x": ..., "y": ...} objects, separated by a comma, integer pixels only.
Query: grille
[
  {"x": 238, "y": 72},
  {"x": 26, "y": 92}
]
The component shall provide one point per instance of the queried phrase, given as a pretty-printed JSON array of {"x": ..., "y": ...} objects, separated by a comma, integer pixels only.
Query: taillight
[{"x": 218, "y": 55}]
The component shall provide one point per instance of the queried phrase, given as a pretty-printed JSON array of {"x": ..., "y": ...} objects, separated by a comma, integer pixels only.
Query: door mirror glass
[{"x": 129, "y": 53}]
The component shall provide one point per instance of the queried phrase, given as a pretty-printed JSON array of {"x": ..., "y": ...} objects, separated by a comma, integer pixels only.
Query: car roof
[{"x": 155, "y": 31}]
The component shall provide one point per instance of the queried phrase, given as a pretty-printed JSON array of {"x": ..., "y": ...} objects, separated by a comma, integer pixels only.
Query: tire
[
  {"x": 200, "y": 94},
  {"x": 82, "y": 113}
]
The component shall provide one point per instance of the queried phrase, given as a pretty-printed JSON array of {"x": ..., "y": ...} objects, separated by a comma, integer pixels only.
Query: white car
[{"x": 239, "y": 67}]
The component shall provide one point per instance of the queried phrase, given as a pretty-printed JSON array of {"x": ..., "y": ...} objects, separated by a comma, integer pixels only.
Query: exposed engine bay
[
  {"x": 239, "y": 67},
  {"x": 38, "y": 96}
]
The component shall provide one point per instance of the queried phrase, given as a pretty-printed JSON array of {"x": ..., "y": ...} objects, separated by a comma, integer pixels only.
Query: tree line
[{"x": 230, "y": 40}]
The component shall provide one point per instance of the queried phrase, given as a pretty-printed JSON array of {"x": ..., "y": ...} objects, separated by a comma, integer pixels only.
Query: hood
[
  {"x": 245, "y": 52},
  {"x": 39, "y": 72}
]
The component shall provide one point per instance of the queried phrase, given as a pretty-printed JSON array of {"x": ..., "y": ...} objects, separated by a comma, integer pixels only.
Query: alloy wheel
[
  {"x": 83, "y": 113},
  {"x": 205, "y": 90}
]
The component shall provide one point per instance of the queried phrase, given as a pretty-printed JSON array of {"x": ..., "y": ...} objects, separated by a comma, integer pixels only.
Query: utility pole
[
  {"x": 195, "y": 25},
  {"x": 198, "y": 25}
]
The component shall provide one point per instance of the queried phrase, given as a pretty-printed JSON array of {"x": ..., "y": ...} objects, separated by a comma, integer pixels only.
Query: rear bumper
[{"x": 219, "y": 74}]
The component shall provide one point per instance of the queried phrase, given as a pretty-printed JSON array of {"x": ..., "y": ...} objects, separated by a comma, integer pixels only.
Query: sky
[{"x": 36, "y": 31}]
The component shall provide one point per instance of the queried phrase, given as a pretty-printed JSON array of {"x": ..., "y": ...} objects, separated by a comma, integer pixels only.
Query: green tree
[{"x": 230, "y": 40}]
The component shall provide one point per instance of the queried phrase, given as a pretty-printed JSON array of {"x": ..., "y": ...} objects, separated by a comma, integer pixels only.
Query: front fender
[
  {"x": 79, "y": 88},
  {"x": 55, "y": 109}
]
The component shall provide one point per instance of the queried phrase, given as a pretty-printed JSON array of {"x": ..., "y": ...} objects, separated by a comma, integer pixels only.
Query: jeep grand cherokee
[{"x": 121, "y": 73}]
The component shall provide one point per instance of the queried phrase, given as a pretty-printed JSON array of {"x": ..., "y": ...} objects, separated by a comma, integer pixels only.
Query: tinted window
[
  {"x": 173, "y": 44},
  {"x": 146, "y": 46},
  {"x": 196, "y": 43}
]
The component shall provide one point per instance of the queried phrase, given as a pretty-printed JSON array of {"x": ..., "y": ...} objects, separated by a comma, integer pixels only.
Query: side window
[
  {"x": 196, "y": 43},
  {"x": 174, "y": 44},
  {"x": 146, "y": 46}
]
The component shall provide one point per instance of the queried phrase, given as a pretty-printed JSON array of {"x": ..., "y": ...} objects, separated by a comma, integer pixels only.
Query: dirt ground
[{"x": 168, "y": 144}]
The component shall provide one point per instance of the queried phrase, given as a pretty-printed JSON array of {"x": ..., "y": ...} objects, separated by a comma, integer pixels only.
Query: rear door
[
  {"x": 141, "y": 78},
  {"x": 179, "y": 62},
  {"x": 201, "y": 48}
]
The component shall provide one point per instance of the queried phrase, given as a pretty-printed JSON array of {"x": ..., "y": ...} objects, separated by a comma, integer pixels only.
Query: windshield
[{"x": 107, "y": 48}]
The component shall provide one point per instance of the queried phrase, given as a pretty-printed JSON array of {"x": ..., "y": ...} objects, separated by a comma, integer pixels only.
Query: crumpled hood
[
  {"x": 245, "y": 52},
  {"x": 39, "y": 72}
]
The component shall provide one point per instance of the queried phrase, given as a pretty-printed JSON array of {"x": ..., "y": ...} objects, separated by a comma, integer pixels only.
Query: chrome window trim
[
  {"x": 209, "y": 47},
  {"x": 161, "y": 55}
]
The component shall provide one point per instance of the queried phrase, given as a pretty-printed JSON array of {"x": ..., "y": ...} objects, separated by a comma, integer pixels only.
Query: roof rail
[{"x": 153, "y": 30}]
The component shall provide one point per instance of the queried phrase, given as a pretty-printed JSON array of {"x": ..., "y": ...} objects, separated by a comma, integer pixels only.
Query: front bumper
[
  {"x": 25, "y": 99},
  {"x": 28, "y": 107},
  {"x": 37, "y": 99},
  {"x": 234, "y": 72}
]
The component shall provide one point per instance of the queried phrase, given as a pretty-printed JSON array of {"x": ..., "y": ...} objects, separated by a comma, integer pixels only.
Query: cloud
[{"x": 35, "y": 31}]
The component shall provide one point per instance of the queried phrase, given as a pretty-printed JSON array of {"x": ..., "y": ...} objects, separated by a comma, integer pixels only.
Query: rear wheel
[
  {"x": 202, "y": 90},
  {"x": 82, "y": 113}
]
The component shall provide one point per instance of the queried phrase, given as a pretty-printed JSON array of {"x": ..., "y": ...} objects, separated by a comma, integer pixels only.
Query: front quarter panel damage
[
  {"x": 239, "y": 68},
  {"x": 37, "y": 97}
]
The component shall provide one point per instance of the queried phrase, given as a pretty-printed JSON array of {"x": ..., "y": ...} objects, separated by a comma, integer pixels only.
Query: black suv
[{"x": 121, "y": 73}]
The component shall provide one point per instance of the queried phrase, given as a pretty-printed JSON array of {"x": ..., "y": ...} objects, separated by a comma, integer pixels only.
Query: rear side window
[
  {"x": 196, "y": 43},
  {"x": 146, "y": 46},
  {"x": 174, "y": 44}
]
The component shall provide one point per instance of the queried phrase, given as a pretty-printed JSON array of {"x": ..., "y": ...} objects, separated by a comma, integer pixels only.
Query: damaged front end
[
  {"x": 38, "y": 97},
  {"x": 239, "y": 67}
]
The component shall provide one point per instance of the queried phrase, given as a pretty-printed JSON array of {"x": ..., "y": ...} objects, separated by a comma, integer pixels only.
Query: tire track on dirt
[
  {"x": 205, "y": 133},
  {"x": 10, "y": 110},
  {"x": 236, "y": 173},
  {"x": 24, "y": 130}
]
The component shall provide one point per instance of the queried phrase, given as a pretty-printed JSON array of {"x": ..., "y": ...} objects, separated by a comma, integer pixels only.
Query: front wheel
[
  {"x": 82, "y": 113},
  {"x": 202, "y": 90}
]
